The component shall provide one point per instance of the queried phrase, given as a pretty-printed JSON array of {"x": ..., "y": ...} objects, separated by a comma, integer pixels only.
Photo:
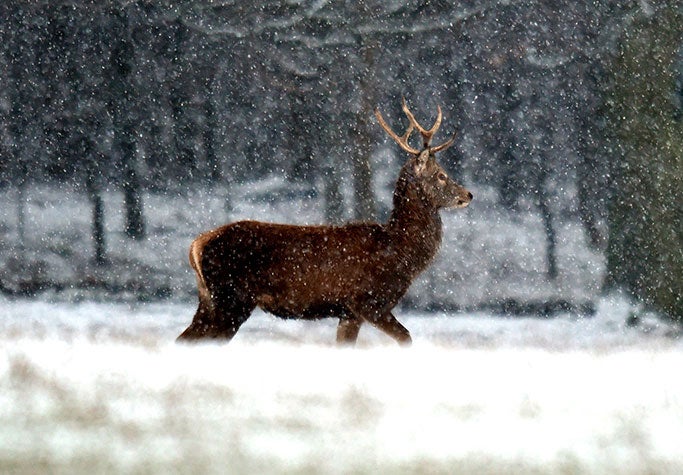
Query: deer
[{"x": 355, "y": 272}]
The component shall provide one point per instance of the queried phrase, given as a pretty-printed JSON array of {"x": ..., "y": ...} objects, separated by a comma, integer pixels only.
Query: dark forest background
[{"x": 577, "y": 101}]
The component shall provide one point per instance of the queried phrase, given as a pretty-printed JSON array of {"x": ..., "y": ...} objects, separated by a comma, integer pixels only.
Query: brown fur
[{"x": 356, "y": 273}]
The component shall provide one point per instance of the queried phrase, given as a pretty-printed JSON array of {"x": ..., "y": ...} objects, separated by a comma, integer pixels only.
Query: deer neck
[{"x": 414, "y": 227}]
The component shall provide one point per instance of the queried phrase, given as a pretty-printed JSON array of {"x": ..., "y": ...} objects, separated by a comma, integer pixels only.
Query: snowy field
[{"x": 103, "y": 388}]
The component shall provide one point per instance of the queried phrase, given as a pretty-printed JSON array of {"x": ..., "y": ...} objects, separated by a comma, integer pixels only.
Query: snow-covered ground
[{"x": 102, "y": 388}]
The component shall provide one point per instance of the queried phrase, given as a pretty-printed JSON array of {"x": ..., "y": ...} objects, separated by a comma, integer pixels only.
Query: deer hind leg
[
  {"x": 199, "y": 327},
  {"x": 219, "y": 319},
  {"x": 347, "y": 330},
  {"x": 220, "y": 312},
  {"x": 388, "y": 324}
]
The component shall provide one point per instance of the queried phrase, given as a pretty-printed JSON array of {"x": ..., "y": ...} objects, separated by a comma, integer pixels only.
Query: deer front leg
[
  {"x": 347, "y": 330},
  {"x": 392, "y": 327}
]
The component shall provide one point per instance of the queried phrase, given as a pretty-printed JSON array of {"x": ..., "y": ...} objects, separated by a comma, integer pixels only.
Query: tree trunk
[
  {"x": 363, "y": 193},
  {"x": 592, "y": 189},
  {"x": 645, "y": 249},
  {"x": 334, "y": 201},
  {"x": 549, "y": 228},
  {"x": 98, "y": 237},
  {"x": 509, "y": 168},
  {"x": 132, "y": 197},
  {"x": 121, "y": 106},
  {"x": 300, "y": 137},
  {"x": 185, "y": 156},
  {"x": 215, "y": 167},
  {"x": 510, "y": 183},
  {"x": 21, "y": 214}
]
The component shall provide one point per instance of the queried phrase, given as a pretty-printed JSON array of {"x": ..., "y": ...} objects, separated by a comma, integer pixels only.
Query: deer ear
[{"x": 421, "y": 162}]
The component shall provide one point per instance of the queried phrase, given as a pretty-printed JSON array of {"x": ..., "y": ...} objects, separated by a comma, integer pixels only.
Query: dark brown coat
[{"x": 356, "y": 273}]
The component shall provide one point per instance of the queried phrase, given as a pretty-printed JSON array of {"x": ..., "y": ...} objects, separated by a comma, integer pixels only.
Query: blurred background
[{"x": 128, "y": 127}]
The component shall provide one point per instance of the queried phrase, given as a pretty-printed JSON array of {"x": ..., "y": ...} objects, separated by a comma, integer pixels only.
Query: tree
[
  {"x": 645, "y": 249},
  {"x": 121, "y": 109},
  {"x": 86, "y": 149},
  {"x": 365, "y": 207},
  {"x": 19, "y": 51}
]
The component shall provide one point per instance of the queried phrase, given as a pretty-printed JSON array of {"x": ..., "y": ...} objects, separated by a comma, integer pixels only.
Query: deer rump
[{"x": 307, "y": 272}]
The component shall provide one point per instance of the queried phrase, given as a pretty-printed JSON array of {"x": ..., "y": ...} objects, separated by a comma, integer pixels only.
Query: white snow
[{"x": 103, "y": 388}]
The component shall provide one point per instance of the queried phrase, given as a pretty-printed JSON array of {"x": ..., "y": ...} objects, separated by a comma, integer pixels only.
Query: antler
[
  {"x": 403, "y": 140},
  {"x": 444, "y": 145},
  {"x": 426, "y": 134}
]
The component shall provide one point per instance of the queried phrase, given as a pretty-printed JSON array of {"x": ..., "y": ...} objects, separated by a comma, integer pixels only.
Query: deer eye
[{"x": 441, "y": 177}]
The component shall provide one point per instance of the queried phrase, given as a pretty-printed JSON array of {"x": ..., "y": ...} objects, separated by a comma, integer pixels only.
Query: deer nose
[{"x": 469, "y": 196}]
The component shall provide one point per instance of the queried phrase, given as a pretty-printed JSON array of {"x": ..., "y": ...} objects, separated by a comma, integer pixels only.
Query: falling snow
[{"x": 547, "y": 330}]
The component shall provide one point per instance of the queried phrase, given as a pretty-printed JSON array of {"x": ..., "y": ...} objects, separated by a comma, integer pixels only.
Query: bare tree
[{"x": 121, "y": 108}]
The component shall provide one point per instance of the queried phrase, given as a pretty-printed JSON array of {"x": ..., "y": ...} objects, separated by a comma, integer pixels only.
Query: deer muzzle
[{"x": 462, "y": 199}]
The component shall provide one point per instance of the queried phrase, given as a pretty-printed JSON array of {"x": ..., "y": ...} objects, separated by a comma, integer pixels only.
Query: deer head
[{"x": 422, "y": 168}]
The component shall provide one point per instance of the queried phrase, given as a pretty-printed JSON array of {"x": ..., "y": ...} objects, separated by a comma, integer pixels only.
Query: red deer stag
[{"x": 356, "y": 272}]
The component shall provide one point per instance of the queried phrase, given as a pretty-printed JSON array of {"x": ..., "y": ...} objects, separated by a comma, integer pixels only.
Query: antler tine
[
  {"x": 426, "y": 134},
  {"x": 444, "y": 145},
  {"x": 401, "y": 141}
]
